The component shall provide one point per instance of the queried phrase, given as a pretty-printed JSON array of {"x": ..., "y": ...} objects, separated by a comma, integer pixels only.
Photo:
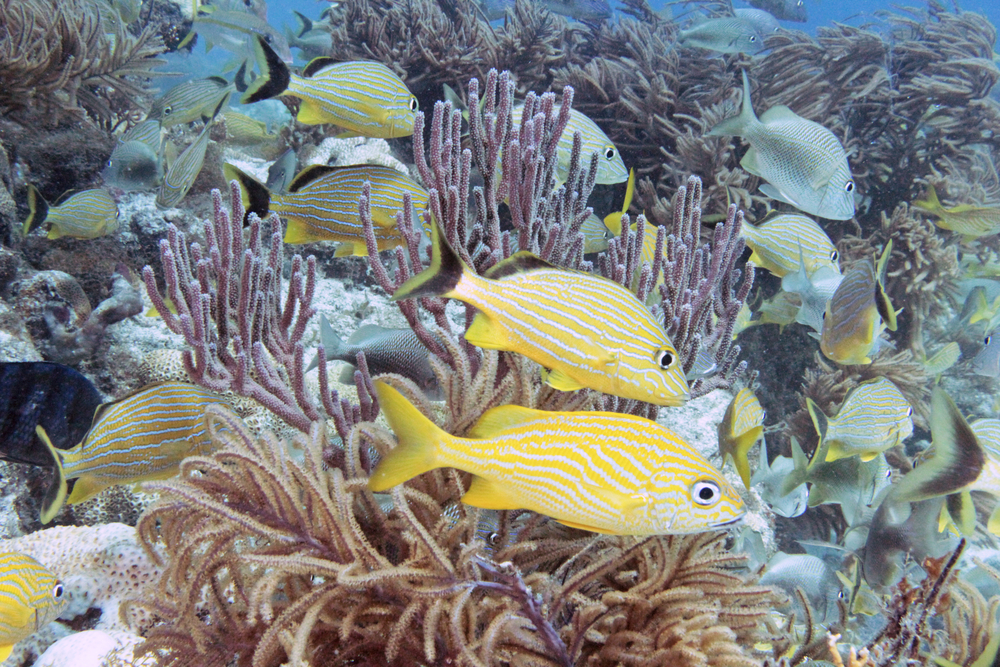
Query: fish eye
[
  {"x": 986, "y": 341},
  {"x": 849, "y": 186},
  {"x": 493, "y": 539},
  {"x": 705, "y": 493},
  {"x": 167, "y": 110},
  {"x": 57, "y": 591},
  {"x": 909, "y": 410},
  {"x": 413, "y": 104},
  {"x": 834, "y": 256},
  {"x": 268, "y": 38},
  {"x": 609, "y": 152},
  {"x": 665, "y": 358},
  {"x": 753, "y": 38}
]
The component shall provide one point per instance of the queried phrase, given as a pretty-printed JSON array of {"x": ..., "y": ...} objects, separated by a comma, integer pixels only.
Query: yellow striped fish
[
  {"x": 587, "y": 330},
  {"x": 322, "y": 204},
  {"x": 86, "y": 215},
  {"x": 595, "y": 235},
  {"x": 875, "y": 417},
  {"x": 147, "y": 131},
  {"x": 191, "y": 101},
  {"x": 141, "y": 437},
  {"x": 366, "y": 98},
  {"x": 857, "y": 313},
  {"x": 776, "y": 242},
  {"x": 244, "y": 130},
  {"x": 30, "y": 598},
  {"x": 971, "y": 221},
  {"x": 741, "y": 428},
  {"x": 185, "y": 169},
  {"x": 600, "y": 471},
  {"x": 610, "y": 167}
]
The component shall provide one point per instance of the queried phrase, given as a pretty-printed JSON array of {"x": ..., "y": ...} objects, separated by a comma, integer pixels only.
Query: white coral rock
[{"x": 95, "y": 648}]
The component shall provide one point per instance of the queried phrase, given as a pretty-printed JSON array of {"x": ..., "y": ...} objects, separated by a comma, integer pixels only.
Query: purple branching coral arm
[{"x": 242, "y": 335}]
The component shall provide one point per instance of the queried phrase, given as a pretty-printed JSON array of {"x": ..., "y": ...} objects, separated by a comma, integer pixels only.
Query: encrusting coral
[
  {"x": 58, "y": 57},
  {"x": 269, "y": 561}
]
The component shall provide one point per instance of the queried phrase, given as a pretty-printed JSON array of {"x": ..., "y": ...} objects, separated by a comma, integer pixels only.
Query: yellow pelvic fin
[
  {"x": 85, "y": 488},
  {"x": 558, "y": 379},
  {"x": 487, "y": 333},
  {"x": 16, "y": 614},
  {"x": 867, "y": 456},
  {"x": 348, "y": 249},
  {"x": 5, "y": 651},
  {"x": 743, "y": 445},
  {"x": 581, "y": 526},
  {"x": 310, "y": 113},
  {"x": 418, "y": 438},
  {"x": 297, "y": 232},
  {"x": 489, "y": 495}
]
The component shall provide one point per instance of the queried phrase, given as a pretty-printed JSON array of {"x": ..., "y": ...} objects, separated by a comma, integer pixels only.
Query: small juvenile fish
[
  {"x": 874, "y": 417},
  {"x": 190, "y": 101},
  {"x": 858, "y": 313},
  {"x": 785, "y": 10},
  {"x": 595, "y": 235},
  {"x": 979, "y": 309},
  {"x": 43, "y": 393},
  {"x": 784, "y": 242},
  {"x": 966, "y": 219},
  {"x": 599, "y": 471},
  {"x": 987, "y": 361},
  {"x": 141, "y": 437},
  {"x": 764, "y": 22},
  {"x": 185, "y": 169},
  {"x": 31, "y": 597},
  {"x": 363, "y": 97},
  {"x": 322, "y": 204},
  {"x": 386, "y": 351},
  {"x": 281, "y": 173},
  {"x": 587, "y": 330},
  {"x": 133, "y": 165},
  {"x": 741, "y": 428},
  {"x": 86, "y": 215},
  {"x": 810, "y": 574},
  {"x": 246, "y": 131},
  {"x": 803, "y": 163},
  {"x": 726, "y": 34}
]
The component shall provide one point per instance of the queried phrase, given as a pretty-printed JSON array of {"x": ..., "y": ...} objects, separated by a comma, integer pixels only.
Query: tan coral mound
[{"x": 270, "y": 562}]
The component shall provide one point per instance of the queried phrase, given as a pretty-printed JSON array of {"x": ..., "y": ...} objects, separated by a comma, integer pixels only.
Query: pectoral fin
[
  {"x": 487, "y": 333},
  {"x": 558, "y": 379},
  {"x": 311, "y": 114},
  {"x": 489, "y": 495}
]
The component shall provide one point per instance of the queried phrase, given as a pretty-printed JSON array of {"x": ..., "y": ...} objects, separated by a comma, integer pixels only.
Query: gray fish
[
  {"x": 765, "y": 23},
  {"x": 282, "y": 172},
  {"x": 815, "y": 291},
  {"x": 769, "y": 479},
  {"x": 133, "y": 165},
  {"x": 727, "y": 34},
  {"x": 234, "y": 31},
  {"x": 804, "y": 164},
  {"x": 185, "y": 169},
  {"x": 817, "y": 580},
  {"x": 314, "y": 39},
  {"x": 581, "y": 10},
  {"x": 785, "y": 10},
  {"x": 386, "y": 351},
  {"x": 987, "y": 362}
]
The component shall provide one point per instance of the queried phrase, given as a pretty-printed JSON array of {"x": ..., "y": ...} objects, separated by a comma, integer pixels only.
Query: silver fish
[
  {"x": 987, "y": 361},
  {"x": 386, "y": 351},
  {"x": 817, "y": 580},
  {"x": 234, "y": 31},
  {"x": 769, "y": 479},
  {"x": 282, "y": 172},
  {"x": 803, "y": 163},
  {"x": 133, "y": 165},
  {"x": 785, "y": 10},
  {"x": 314, "y": 40},
  {"x": 726, "y": 34}
]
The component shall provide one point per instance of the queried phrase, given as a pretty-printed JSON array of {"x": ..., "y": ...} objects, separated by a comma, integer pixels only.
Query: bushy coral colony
[{"x": 439, "y": 333}]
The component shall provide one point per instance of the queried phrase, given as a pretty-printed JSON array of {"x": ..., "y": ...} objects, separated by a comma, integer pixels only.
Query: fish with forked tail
[
  {"x": 588, "y": 331},
  {"x": 599, "y": 471},
  {"x": 785, "y": 10},
  {"x": 741, "y": 428}
]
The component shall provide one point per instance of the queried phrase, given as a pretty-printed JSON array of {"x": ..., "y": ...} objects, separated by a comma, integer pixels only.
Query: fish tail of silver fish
[
  {"x": 275, "y": 77},
  {"x": 331, "y": 342},
  {"x": 440, "y": 277},
  {"x": 56, "y": 494},
  {"x": 737, "y": 125}
]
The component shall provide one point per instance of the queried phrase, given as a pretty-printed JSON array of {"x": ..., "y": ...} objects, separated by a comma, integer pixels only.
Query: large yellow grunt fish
[
  {"x": 363, "y": 97},
  {"x": 874, "y": 417},
  {"x": 857, "y": 314},
  {"x": 587, "y": 330},
  {"x": 30, "y": 598},
  {"x": 600, "y": 471},
  {"x": 782, "y": 241},
  {"x": 143, "y": 436},
  {"x": 86, "y": 215},
  {"x": 966, "y": 219}
]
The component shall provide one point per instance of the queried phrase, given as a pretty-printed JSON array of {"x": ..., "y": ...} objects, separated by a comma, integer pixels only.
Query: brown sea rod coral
[
  {"x": 60, "y": 56},
  {"x": 274, "y": 562}
]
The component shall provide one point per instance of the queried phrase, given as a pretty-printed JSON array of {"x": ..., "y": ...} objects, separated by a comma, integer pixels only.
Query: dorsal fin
[
  {"x": 310, "y": 174},
  {"x": 519, "y": 262},
  {"x": 316, "y": 64},
  {"x": 218, "y": 79},
  {"x": 104, "y": 407}
]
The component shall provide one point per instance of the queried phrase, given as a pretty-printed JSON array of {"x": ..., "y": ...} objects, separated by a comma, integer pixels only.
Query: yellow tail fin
[
  {"x": 418, "y": 437},
  {"x": 55, "y": 497}
]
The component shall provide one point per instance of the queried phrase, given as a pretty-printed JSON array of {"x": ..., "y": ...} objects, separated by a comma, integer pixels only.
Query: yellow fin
[
  {"x": 993, "y": 525},
  {"x": 416, "y": 451},
  {"x": 86, "y": 487},
  {"x": 558, "y": 379},
  {"x": 498, "y": 420},
  {"x": 311, "y": 114},
  {"x": 55, "y": 496},
  {"x": 488, "y": 495},
  {"x": 580, "y": 526},
  {"x": 350, "y": 249},
  {"x": 297, "y": 232},
  {"x": 622, "y": 502},
  {"x": 486, "y": 333},
  {"x": 5, "y": 651},
  {"x": 16, "y": 614},
  {"x": 867, "y": 456}
]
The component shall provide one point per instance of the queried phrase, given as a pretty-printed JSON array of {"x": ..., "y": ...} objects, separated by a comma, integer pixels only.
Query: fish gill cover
[{"x": 283, "y": 555}]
